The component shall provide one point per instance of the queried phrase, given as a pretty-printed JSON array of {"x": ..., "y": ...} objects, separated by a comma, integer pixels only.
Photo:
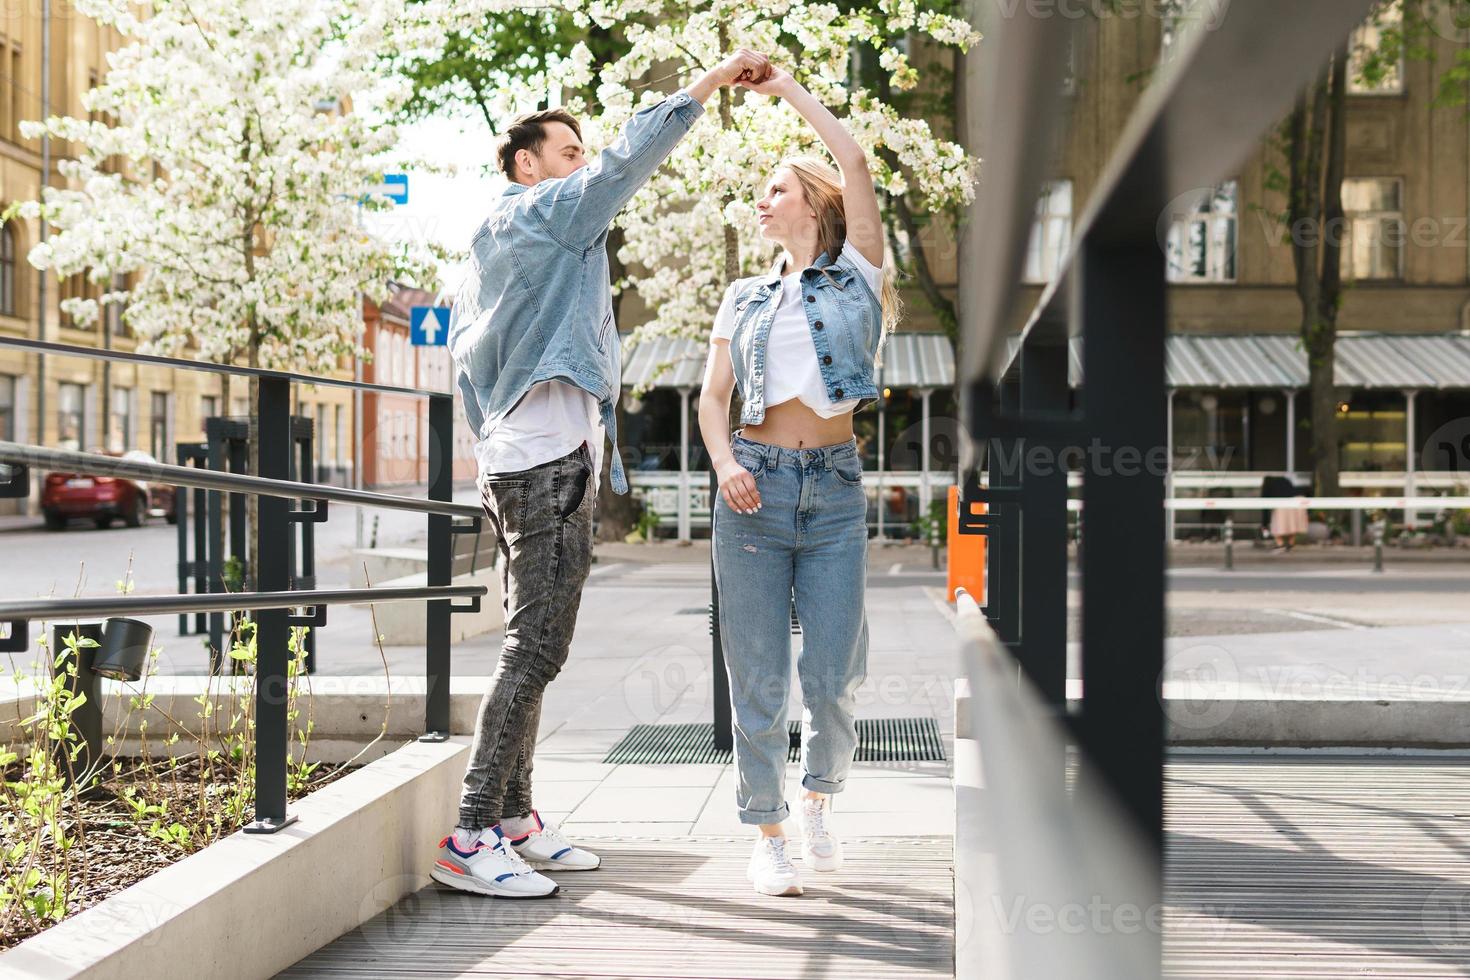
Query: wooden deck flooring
[
  {"x": 676, "y": 907},
  {"x": 1320, "y": 867}
]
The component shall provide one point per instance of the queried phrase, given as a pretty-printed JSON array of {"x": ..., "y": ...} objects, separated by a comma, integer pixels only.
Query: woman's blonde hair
[{"x": 821, "y": 185}]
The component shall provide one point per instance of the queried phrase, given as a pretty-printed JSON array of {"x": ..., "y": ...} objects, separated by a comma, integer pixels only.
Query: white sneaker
[
  {"x": 549, "y": 848},
  {"x": 771, "y": 870},
  {"x": 820, "y": 848},
  {"x": 490, "y": 867}
]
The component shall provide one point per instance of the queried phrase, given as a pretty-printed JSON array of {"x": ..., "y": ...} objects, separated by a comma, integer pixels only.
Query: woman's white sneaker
[
  {"x": 490, "y": 867},
  {"x": 547, "y": 847},
  {"x": 820, "y": 848},
  {"x": 771, "y": 870}
]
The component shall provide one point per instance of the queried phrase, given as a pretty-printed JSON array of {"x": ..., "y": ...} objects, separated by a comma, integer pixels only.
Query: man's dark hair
[{"x": 528, "y": 132}]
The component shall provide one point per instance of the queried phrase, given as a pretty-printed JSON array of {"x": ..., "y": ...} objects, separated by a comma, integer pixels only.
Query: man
[{"x": 538, "y": 363}]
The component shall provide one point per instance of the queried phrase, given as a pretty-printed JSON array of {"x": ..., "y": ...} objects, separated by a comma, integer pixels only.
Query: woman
[{"x": 791, "y": 516}]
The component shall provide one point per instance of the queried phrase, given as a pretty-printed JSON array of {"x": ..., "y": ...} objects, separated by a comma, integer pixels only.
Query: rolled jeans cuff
[
  {"x": 757, "y": 817},
  {"x": 816, "y": 785}
]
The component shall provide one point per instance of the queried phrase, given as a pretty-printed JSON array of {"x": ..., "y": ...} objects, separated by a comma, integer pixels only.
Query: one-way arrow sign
[{"x": 429, "y": 326}]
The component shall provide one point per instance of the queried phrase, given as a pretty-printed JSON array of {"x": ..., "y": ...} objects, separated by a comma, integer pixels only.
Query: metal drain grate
[{"x": 879, "y": 740}]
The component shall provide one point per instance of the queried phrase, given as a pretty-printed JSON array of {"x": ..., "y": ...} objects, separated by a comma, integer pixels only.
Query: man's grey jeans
[{"x": 543, "y": 517}]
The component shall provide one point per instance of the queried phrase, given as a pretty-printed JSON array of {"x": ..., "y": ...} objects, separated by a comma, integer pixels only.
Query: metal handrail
[
  {"x": 68, "y": 461},
  {"x": 1025, "y": 845},
  {"x": 184, "y": 364},
  {"x": 276, "y": 603},
  {"x": 65, "y": 610}
]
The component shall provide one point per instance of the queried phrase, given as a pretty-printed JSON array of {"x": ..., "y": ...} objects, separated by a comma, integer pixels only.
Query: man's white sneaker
[
  {"x": 820, "y": 848},
  {"x": 771, "y": 870},
  {"x": 547, "y": 847},
  {"x": 490, "y": 867}
]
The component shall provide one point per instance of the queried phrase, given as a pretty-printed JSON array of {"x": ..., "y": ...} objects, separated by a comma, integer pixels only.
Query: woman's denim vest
[{"x": 843, "y": 315}]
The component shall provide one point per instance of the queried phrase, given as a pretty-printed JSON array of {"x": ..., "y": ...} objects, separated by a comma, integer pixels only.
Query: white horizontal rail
[{"x": 1308, "y": 503}]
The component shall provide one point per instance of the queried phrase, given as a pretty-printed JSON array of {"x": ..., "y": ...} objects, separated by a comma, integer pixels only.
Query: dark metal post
[
  {"x": 272, "y": 737},
  {"x": 306, "y": 467},
  {"x": 723, "y": 725},
  {"x": 1120, "y": 298},
  {"x": 214, "y": 553},
  {"x": 441, "y": 558},
  {"x": 1003, "y": 556},
  {"x": 1043, "y": 517},
  {"x": 86, "y": 720}
]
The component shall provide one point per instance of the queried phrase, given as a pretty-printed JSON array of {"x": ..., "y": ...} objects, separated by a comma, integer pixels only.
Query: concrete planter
[{"x": 250, "y": 906}]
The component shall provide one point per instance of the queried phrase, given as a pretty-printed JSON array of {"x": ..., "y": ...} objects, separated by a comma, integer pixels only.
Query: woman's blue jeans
[{"x": 811, "y": 537}]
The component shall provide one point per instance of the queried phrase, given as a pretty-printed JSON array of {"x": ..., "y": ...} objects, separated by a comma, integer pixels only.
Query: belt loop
[
  {"x": 827, "y": 458},
  {"x": 773, "y": 457}
]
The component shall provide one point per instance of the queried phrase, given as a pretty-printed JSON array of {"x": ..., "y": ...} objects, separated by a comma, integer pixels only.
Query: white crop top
[{"x": 791, "y": 356}]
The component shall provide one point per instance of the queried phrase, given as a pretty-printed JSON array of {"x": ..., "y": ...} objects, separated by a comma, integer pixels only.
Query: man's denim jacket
[
  {"x": 536, "y": 303},
  {"x": 843, "y": 315}
]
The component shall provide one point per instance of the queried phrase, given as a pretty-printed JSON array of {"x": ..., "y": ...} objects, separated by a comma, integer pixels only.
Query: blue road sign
[
  {"x": 395, "y": 186},
  {"x": 429, "y": 326}
]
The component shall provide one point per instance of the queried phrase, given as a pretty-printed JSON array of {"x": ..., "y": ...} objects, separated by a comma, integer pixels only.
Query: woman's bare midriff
[{"x": 792, "y": 425}]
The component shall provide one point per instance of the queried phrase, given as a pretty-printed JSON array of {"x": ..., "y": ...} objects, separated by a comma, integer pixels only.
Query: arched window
[{"x": 7, "y": 271}]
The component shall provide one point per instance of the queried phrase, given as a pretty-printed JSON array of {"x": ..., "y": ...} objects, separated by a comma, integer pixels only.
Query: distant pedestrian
[{"x": 1286, "y": 522}]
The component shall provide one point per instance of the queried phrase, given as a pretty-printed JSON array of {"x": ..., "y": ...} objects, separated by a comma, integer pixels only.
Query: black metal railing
[
  {"x": 1224, "y": 84},
  {"x": 278, "y": 604}
]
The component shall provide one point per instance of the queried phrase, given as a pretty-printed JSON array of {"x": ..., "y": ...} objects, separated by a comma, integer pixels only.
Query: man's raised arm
[{"x": 580, "y": 207}]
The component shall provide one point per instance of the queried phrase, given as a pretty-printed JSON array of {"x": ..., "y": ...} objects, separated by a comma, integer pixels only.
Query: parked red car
[{"x": 103, "y": 498}]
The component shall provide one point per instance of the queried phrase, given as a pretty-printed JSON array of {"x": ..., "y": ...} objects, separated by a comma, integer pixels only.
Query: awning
[
  {"x": 910, "y": 360},
  {"x": 1390, "y": 361},
  {"x": 926, "y": 360}
]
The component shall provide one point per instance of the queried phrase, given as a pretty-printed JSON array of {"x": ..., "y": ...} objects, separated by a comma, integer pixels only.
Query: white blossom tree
[
  {"x": 247, "y": 130},
  {"x": 693, "y": 227}
]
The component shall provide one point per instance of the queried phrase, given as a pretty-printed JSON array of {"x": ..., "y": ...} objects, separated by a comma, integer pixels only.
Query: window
[
  {"x": 120, "y": 421},
  {"x": 78, "y": 287},
  {"x": 1370, "y": 75},
  {"x": 1201, "y": 244},
  {"x": 1052, "y": 232},
  {"x": 208, "y": 409},
  {"x": 158, "y": 426},
  {"x": 7, "y": 408},
  {"x": 17, "y": 113},
  {"x": 71, "y": 419},
  {"x": 7, "y": 270},
  {"x": 320, "y": 435},
  {"x": 1375, "y": 232}
]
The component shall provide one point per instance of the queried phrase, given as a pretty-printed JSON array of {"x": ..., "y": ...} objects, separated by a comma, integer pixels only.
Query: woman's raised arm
[{"x": 859, "y": 199}]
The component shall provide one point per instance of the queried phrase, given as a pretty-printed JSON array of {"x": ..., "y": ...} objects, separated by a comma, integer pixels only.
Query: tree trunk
[
  {"x": 1317, "y": 149},
  {"x": 617, "y": 513}
]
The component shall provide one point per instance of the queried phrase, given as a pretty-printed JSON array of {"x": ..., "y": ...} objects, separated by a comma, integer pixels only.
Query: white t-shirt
[
  {"x": 791, "y": 356},
  {"x": 551, "y": 420}
]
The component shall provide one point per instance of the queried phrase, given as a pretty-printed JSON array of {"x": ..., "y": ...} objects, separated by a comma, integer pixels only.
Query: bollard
[
  {"x": 1378, "y": 546},
  {"x": 1229, "y": 544},
  {"x": 373, "y": 542},
  {"x": 86, "y": 719},
  {"x": 934, "y": 544}
]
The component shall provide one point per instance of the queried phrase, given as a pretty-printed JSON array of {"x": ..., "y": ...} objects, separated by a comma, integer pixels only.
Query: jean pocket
[
  {"x": 849, "y": 471},
  {"x": 578, "y": 491}
]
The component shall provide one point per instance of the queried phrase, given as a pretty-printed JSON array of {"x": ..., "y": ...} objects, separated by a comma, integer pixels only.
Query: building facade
[
  {"x": 395, "y": 449},
  {"x": 73, "y": 402},
  {"x": 1239, "y": 408}
]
